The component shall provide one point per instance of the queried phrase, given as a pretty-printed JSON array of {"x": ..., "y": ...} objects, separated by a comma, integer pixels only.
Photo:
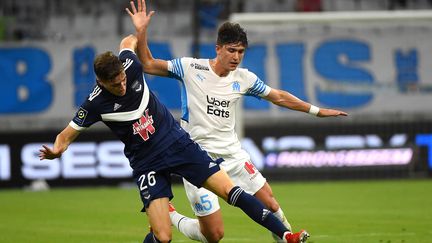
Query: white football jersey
[{"x": 209, "y": 102}]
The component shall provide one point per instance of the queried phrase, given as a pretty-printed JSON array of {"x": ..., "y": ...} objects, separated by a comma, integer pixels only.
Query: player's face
[
  {"x": 117, "y": 86},
  {"x": 230, "y": 55}
]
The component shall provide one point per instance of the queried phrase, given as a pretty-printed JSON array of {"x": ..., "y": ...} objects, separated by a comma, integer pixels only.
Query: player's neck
[{"x": 218, "y": 69}]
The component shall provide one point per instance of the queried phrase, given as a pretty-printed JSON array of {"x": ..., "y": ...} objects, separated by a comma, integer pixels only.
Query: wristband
[{"x": 313, "y": 110}]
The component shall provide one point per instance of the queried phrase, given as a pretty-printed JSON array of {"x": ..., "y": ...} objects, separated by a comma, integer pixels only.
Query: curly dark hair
[{"x": 231, "y": 33}]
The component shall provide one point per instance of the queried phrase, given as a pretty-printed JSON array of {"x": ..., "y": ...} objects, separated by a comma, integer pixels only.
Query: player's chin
[
  {"x": 121, "y": 93},
  {"x": 233, "y": 66}
]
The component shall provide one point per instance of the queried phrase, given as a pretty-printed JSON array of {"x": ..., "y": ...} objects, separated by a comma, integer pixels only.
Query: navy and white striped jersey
[{"x": 138, "y": 118}]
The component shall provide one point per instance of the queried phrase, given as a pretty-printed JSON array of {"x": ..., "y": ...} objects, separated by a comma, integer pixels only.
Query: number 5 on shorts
[{"x": 206, "y": 204}]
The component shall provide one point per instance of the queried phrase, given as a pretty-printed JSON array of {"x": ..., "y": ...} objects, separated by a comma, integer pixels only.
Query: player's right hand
[{"x": 48, "y": 153}]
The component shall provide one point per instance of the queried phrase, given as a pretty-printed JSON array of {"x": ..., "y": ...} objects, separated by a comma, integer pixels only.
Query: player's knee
[
  {"x": 164, "y": 238},
  {"x": 273, "y": 205},
  {"x": 270, "y": 203},
  {"x": 265, "y": 195},
  {"x": 215, "y": 234},
  {"x": 163, "y": 235}
]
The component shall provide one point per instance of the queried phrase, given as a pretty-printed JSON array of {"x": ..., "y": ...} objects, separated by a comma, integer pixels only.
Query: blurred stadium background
[{"x": 371, "y": 58}]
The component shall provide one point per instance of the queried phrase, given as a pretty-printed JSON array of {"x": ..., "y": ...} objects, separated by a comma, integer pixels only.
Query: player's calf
[{"x": 256, "y": 210}]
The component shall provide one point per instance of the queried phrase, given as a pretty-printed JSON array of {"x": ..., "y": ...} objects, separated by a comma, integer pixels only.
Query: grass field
[{"x": 333, "y": 212}]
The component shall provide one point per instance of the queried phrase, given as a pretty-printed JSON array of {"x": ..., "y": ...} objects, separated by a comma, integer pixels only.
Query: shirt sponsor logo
[
  {"x": 200, "y": 67},
  {"x": 217, "y": 107},
  {"x": 144, "y": 126}
]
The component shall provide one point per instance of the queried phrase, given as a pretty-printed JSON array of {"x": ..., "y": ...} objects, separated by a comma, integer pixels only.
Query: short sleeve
[
  {"x": 84, "y": 117},
  {"x": 131, "y": 63},
  {"x": 178, "y": 66},
  {"x": 257, "y": 88}
]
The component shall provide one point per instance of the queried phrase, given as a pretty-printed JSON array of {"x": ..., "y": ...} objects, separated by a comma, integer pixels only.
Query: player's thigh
[
  {"x": 203, "y": 202},
  {"x": 153, "y": 185},
  {"x": 159, "y": 219},
  {"x": 220, "y": 184},
  {"x": 193, "y": 163}
]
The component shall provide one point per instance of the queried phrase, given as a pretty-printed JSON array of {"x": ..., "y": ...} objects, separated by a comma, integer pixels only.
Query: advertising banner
[
  {"x": 378, "y": 71},
  {"x": 292, "y": 152}
]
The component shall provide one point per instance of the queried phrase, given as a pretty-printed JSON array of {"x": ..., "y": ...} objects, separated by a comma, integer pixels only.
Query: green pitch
[{"x": 333, "y": 212}]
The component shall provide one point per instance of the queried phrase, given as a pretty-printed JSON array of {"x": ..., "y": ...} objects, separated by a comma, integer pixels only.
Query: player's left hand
[
  {"x": 323, "y": 112},
  {"x": 139, "y": 16}
]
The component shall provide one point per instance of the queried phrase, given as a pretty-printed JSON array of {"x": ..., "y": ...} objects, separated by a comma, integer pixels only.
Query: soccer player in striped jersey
[{"x": 211, "y": 88}]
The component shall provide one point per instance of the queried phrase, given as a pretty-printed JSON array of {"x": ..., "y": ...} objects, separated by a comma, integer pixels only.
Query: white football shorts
[{"x": 241, "y": 171}]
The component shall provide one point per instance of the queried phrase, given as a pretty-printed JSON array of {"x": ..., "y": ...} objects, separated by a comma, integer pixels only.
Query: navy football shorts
[{"x": 184, "y": 158}]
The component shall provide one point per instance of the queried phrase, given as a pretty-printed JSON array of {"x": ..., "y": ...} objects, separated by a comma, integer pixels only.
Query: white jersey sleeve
[
  {"x": 178, "y": 67},
  {"x": 257, "y": 87}
]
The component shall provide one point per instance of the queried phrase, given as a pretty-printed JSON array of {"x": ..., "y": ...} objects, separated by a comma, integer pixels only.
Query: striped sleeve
[
  {"x": 175, "y": 68},
  {"x": 258, "y": 89}
]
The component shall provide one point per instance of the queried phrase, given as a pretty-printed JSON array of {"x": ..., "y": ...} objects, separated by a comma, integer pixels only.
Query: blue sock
[
  {"x": 151, "y": 238},
  {"x": 256, "y": 210}
]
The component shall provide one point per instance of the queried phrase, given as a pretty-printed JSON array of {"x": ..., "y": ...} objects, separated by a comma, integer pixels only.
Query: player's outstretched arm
[
  {"x": 141, "y": 21},
  {"x": 285, "y": 99},
  {"x": 129, "y": 42},
  {"x": 63, "y": 139}
]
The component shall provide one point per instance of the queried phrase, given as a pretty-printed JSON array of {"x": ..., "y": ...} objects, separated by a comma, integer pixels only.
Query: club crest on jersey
[
  {"x": 236, "y": 86},
  {"x": 144, "y": 126},
  {"x": 136, "y": 86}
]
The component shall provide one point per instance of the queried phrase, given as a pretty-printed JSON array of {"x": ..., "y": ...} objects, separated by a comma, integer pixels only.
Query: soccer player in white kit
[{"x": 210, "y": 90}]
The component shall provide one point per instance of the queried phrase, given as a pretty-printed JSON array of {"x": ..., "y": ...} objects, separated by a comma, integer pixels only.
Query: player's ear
[
  {"x": 99, "y": 82},
  {"x": 218, "y": 48}
]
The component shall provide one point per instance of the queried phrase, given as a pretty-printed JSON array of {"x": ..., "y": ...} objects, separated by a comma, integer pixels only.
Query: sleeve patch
[{"x": 80, "y": 116}]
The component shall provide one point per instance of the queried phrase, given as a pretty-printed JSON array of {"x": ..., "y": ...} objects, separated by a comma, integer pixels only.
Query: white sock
[
  {"x": 187, "y": 226},
  {"x": 281, "y": 216}
]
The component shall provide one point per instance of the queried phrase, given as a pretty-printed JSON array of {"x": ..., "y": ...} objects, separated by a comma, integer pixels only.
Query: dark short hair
[
  {"x": 231, "y": 33},
  {"x": 107, "y": 66}
]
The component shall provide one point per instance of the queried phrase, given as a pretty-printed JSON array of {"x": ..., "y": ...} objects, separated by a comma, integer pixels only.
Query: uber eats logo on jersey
[{"x": 216, "y": 107}]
